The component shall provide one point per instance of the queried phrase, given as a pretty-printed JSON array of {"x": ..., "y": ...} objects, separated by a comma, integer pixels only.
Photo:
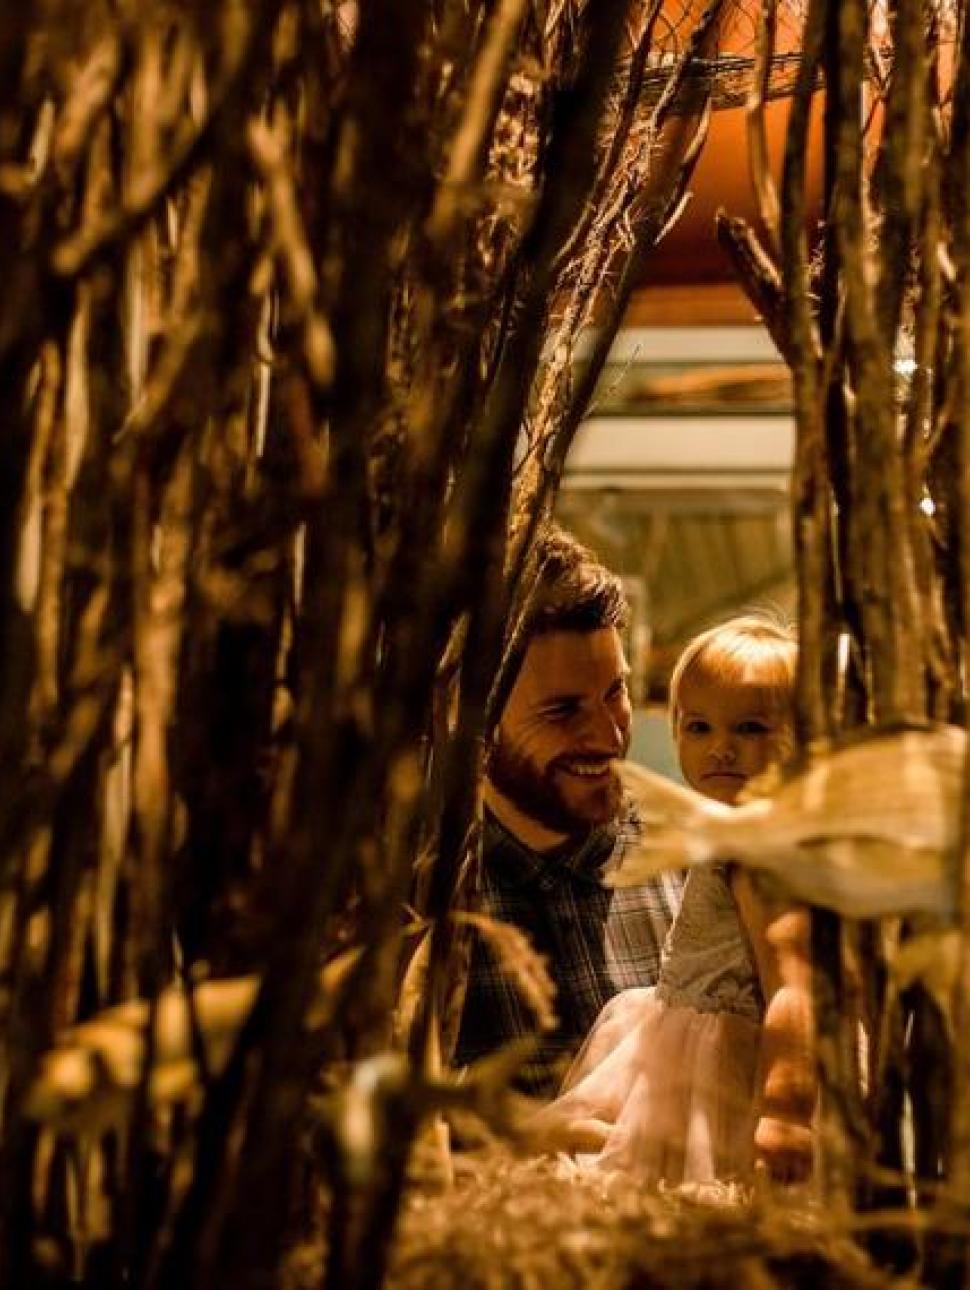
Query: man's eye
[{"x": 560, "y": 712}]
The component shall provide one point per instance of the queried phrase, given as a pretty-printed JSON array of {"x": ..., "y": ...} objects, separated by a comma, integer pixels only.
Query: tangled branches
[{"x": 281, "y": 284}]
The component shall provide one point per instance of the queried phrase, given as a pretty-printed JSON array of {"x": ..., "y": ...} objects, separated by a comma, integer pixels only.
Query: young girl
[{"x": 696, "y": 1079}]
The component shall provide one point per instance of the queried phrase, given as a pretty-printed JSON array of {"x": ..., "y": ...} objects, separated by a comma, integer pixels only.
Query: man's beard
[{"x": 538, "y": 793}]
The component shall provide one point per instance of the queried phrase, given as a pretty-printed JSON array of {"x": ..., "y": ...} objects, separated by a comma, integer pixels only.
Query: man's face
[{"x": 566, "y": 723}]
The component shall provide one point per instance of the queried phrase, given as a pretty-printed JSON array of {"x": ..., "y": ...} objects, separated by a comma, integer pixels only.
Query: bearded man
[{"x": 556, "y": 820}]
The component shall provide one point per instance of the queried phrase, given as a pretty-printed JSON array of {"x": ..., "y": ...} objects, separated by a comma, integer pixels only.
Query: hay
[{"x": 509, "y": 1222}]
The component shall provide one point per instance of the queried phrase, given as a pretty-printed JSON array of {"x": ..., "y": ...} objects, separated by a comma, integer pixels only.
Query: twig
[
  {"x": 890, "y": 605},
  {"x": 759, "y": 276},
  {"x": 149, "y": 188},
  {"x": 292, "y": 250},
  {"x": 807, "y": 487},
  {"x": 959, "y": 1155},
  {"x": 758, "y": 158},
  {"x": 469, "y": 146}
]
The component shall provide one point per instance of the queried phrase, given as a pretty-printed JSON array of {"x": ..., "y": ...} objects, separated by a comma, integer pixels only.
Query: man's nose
[{"x": 604, "y": 731}]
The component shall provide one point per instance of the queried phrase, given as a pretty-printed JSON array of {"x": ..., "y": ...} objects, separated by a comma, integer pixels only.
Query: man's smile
[{"x": 585, "y": 768}]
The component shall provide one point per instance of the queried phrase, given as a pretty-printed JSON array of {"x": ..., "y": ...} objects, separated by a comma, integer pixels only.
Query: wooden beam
[{"x": 700, "y": 304}]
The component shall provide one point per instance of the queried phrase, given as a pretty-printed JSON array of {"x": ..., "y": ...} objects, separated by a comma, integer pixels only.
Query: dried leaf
[
  {"x": 413, "y": 987},
  {"x": 524, "y": 968},
  {"x": 85, "y": 1084},
  {"x": 865, "y": 829}
]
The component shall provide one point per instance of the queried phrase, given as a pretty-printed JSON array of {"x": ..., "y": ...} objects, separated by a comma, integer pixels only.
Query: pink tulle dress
[{"x": 671, "y": 1071}]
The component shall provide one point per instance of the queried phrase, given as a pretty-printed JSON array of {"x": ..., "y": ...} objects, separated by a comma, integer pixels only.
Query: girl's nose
[{"x": 725, "y": 752}]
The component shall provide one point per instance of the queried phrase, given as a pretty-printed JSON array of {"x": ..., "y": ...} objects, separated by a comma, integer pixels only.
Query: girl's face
[{"x": 726, "y": 733}]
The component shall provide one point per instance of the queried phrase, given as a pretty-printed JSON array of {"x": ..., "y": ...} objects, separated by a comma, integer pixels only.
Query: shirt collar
[{"x": 584, "y": 857}]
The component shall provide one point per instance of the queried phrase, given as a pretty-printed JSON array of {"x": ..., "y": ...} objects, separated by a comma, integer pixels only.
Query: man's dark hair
[{"x": 573, "y": 591}]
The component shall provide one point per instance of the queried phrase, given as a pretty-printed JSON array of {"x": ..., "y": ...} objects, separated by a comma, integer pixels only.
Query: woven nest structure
[
  {"x": 727, "y": 79},
  {"x": 728, "y": 76}
]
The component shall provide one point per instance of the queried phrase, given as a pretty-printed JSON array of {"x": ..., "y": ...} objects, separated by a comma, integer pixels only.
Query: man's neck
[{"x": 528, "y": 831}]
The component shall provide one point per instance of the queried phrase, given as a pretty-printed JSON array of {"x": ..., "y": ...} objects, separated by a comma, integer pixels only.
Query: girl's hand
[
  {"x": 780, "y": 940},
  {"x": 783, "y": 1137}
]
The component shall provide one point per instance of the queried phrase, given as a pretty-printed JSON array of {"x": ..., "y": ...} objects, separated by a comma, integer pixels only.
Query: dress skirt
[{"x": 671, "y": 1090}]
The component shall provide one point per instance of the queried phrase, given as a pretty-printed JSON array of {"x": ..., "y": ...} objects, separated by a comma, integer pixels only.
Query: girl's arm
[{"x": 780, "y": 940}]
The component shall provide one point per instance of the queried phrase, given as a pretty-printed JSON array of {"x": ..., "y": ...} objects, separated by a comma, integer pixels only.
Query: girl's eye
[
  {"x": 753, "y": 728},
  {"x": 694, "y": 726}
]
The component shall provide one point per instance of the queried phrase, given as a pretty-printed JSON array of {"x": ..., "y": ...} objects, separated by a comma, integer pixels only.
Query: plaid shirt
[{"x": 596, "y": 941}]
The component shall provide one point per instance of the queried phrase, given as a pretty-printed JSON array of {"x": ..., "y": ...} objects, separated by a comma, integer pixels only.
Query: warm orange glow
[{"x": 690, "y": 254}]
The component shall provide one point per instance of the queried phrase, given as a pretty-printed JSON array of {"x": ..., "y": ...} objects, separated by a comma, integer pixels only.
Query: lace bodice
[{"x": 707, "y": 962}]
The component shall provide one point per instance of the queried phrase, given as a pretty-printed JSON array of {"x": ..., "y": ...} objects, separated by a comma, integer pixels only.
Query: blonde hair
[{"x": 745, "y": 650}]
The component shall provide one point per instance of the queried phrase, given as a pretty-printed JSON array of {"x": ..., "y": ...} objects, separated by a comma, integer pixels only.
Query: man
[{"x": 556, "y": 819}]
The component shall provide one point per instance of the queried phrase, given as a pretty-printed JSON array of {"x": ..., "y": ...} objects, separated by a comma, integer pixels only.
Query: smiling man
[{"x": 556, "y": 819}]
